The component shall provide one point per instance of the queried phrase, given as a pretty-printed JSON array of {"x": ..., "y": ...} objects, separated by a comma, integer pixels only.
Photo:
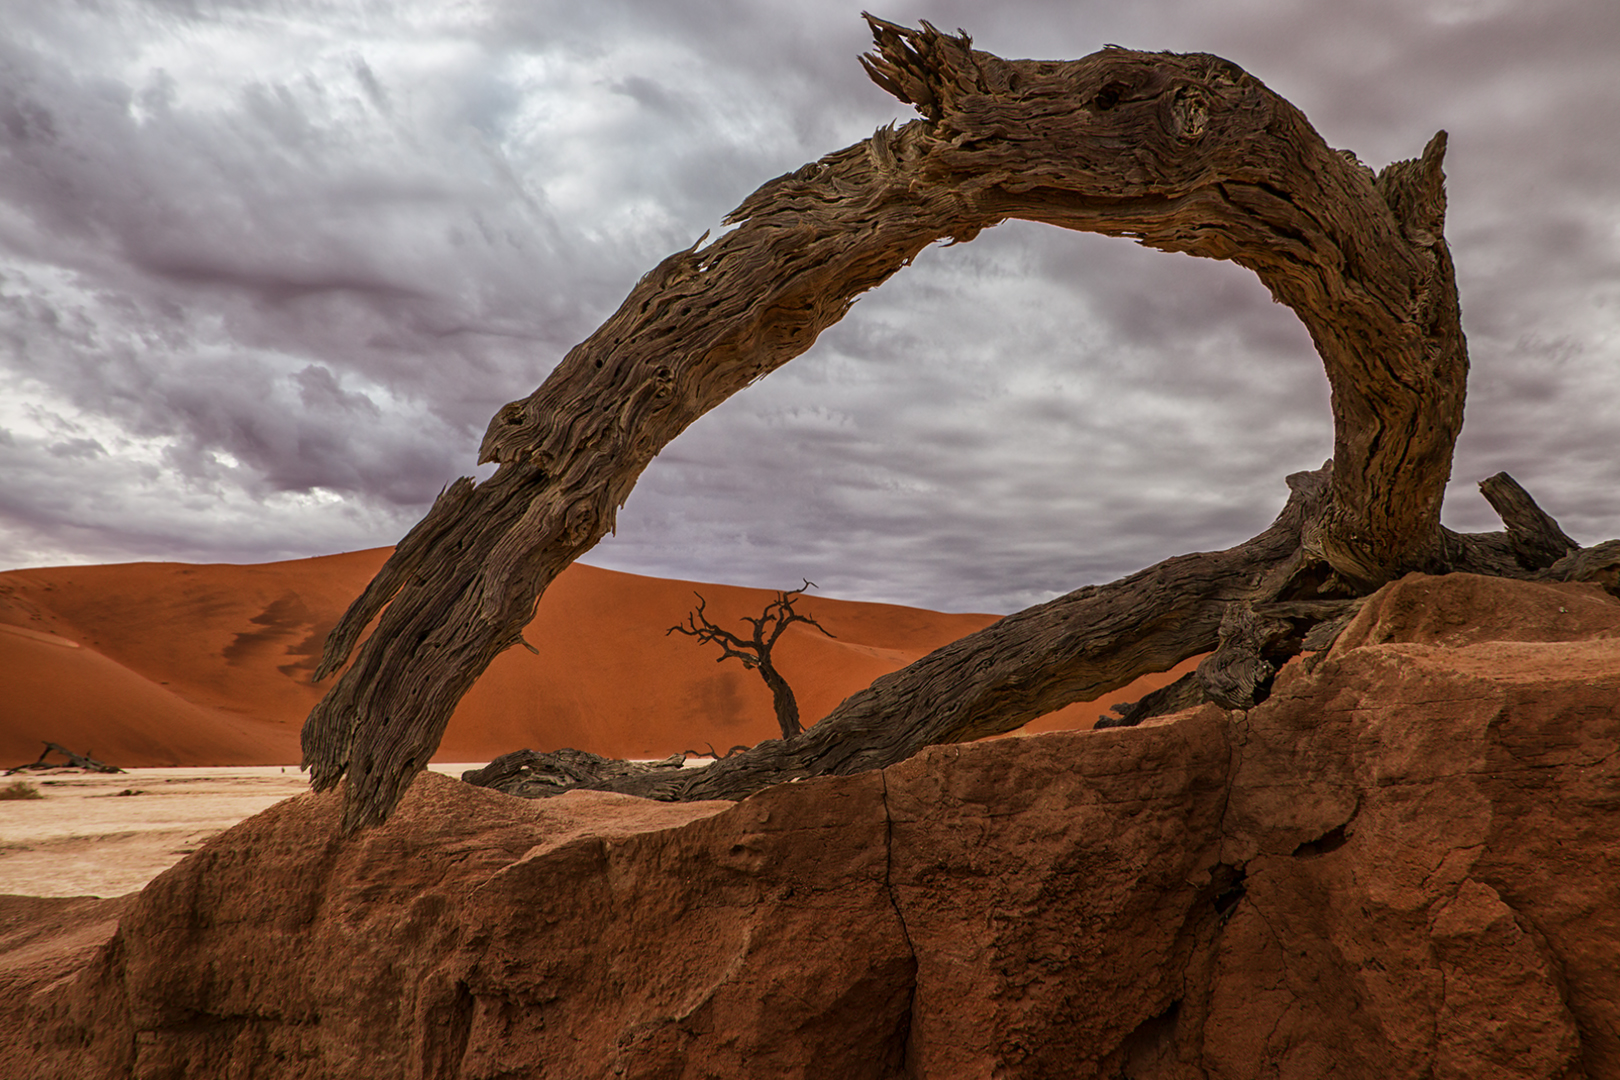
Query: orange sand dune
[{"x": 179, "y": 664}]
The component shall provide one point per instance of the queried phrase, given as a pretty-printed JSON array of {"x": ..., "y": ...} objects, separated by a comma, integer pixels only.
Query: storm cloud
[{"x": 266, "y": 270}]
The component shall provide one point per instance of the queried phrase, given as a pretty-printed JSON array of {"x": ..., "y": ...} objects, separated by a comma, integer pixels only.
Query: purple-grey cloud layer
[{"x": 267, "y": 269}]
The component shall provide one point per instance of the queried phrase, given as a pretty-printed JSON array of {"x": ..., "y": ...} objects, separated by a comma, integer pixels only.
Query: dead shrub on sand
[{"x": 19, "y": 789}]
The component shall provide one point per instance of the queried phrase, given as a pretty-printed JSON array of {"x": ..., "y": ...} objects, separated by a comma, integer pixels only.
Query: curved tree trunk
[
  {"x": 1180, "y": 152},
  {"x": 782, "y": 700}
]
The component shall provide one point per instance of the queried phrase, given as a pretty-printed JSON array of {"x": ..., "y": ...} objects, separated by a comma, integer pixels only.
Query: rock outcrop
[{"x": 1406, "y": 863}]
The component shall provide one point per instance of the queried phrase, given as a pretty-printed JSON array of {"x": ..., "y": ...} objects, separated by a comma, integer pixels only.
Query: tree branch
[
  {"x": 1074, "y": 648},
  {"x": 731, "y": 645},
  {"x": 1537, "y": 540}
]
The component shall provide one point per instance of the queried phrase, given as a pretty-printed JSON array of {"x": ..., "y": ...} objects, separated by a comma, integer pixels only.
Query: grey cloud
[
  {"x": 77, "y": 449},
  {"x": 375, "y": 91},
  {"x": 935, "y": 426},
  {"x": 284, "y": 306}
]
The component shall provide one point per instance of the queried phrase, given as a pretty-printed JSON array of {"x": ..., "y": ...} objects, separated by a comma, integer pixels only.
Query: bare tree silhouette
[{"x": 755, "y": 651}]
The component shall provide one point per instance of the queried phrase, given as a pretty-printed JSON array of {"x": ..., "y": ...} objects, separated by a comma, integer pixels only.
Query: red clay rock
[
  {"x": 1406, "y": 863},
  {"x": 44, "y": 939},
  {"x": 1461, "y": 609},
  {"x": 1052, "y": 888}
]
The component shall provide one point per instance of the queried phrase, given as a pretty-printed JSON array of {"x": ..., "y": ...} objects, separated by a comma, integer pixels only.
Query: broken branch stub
[{"x": 1183, "y": 153}]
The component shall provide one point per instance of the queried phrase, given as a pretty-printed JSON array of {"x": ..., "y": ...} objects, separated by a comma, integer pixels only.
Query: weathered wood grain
[
  {"x": 1184, "y": 153},
  {"x": 1537, "y": 540}
]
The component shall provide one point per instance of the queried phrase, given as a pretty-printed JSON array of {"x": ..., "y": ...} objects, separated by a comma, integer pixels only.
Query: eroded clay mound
[{"x": 1403, "y": 864}]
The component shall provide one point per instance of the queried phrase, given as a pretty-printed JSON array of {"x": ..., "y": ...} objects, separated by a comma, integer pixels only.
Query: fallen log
[
  {"x": 1074, "y": 648},
  {"x": 77, "y": 761}
]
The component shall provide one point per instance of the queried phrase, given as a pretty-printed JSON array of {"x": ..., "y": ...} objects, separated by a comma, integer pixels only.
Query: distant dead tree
[
  {"x": 1180, "y": 152},
  {"x": 755, "y": 651}
]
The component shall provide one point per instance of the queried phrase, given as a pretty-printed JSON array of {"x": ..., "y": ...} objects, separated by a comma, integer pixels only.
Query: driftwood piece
[
  {"x": 1076, "y": 647},
  {"x": 1184, "y": 153},
  {"x": 1321, "y": 636},
  {"x": 1536, "y": 539},
  {"x": 1185, "y": 693},
  {"x": 1238, "y": 673},
  {"x": 77, "y": 761},
  {"x": 532, "y": 774},
  {"x": 1598, "y": 564},
  {"x": 1529, "y": 546},
  {"x": 1255, "y": 640}
]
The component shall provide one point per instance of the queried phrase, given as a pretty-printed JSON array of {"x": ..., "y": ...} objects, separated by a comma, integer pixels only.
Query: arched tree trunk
[{"x": 1181, "y": 152}]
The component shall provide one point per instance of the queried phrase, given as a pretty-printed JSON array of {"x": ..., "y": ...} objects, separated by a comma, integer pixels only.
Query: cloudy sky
[{"x": 266, "y": 270}]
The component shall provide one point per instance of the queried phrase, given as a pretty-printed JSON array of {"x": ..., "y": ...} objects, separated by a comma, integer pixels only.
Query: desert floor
[
  {"x": 194, "y": 677},
  {"x": 106, "y": 834}
]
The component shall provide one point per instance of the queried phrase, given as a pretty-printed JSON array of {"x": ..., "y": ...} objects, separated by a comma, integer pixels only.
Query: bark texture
[{"x": 1183, "y": 153}]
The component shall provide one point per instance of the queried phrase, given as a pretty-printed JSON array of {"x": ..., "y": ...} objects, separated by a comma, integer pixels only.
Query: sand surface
[
  {"x": 192, "y": 675},
  {"x": 106, "y": 834},
  {"x": 176, "y": 664}
]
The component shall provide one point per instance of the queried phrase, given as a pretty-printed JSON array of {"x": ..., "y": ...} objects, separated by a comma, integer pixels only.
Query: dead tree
[
  {"x": 755, "y": 651},
  {"x": 1184, "y": 153},
  {"x": 76, "y": 761}
]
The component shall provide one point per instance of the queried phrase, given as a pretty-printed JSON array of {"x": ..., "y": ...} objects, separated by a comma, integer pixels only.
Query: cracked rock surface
[{"x": 1405, "y": 863}]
